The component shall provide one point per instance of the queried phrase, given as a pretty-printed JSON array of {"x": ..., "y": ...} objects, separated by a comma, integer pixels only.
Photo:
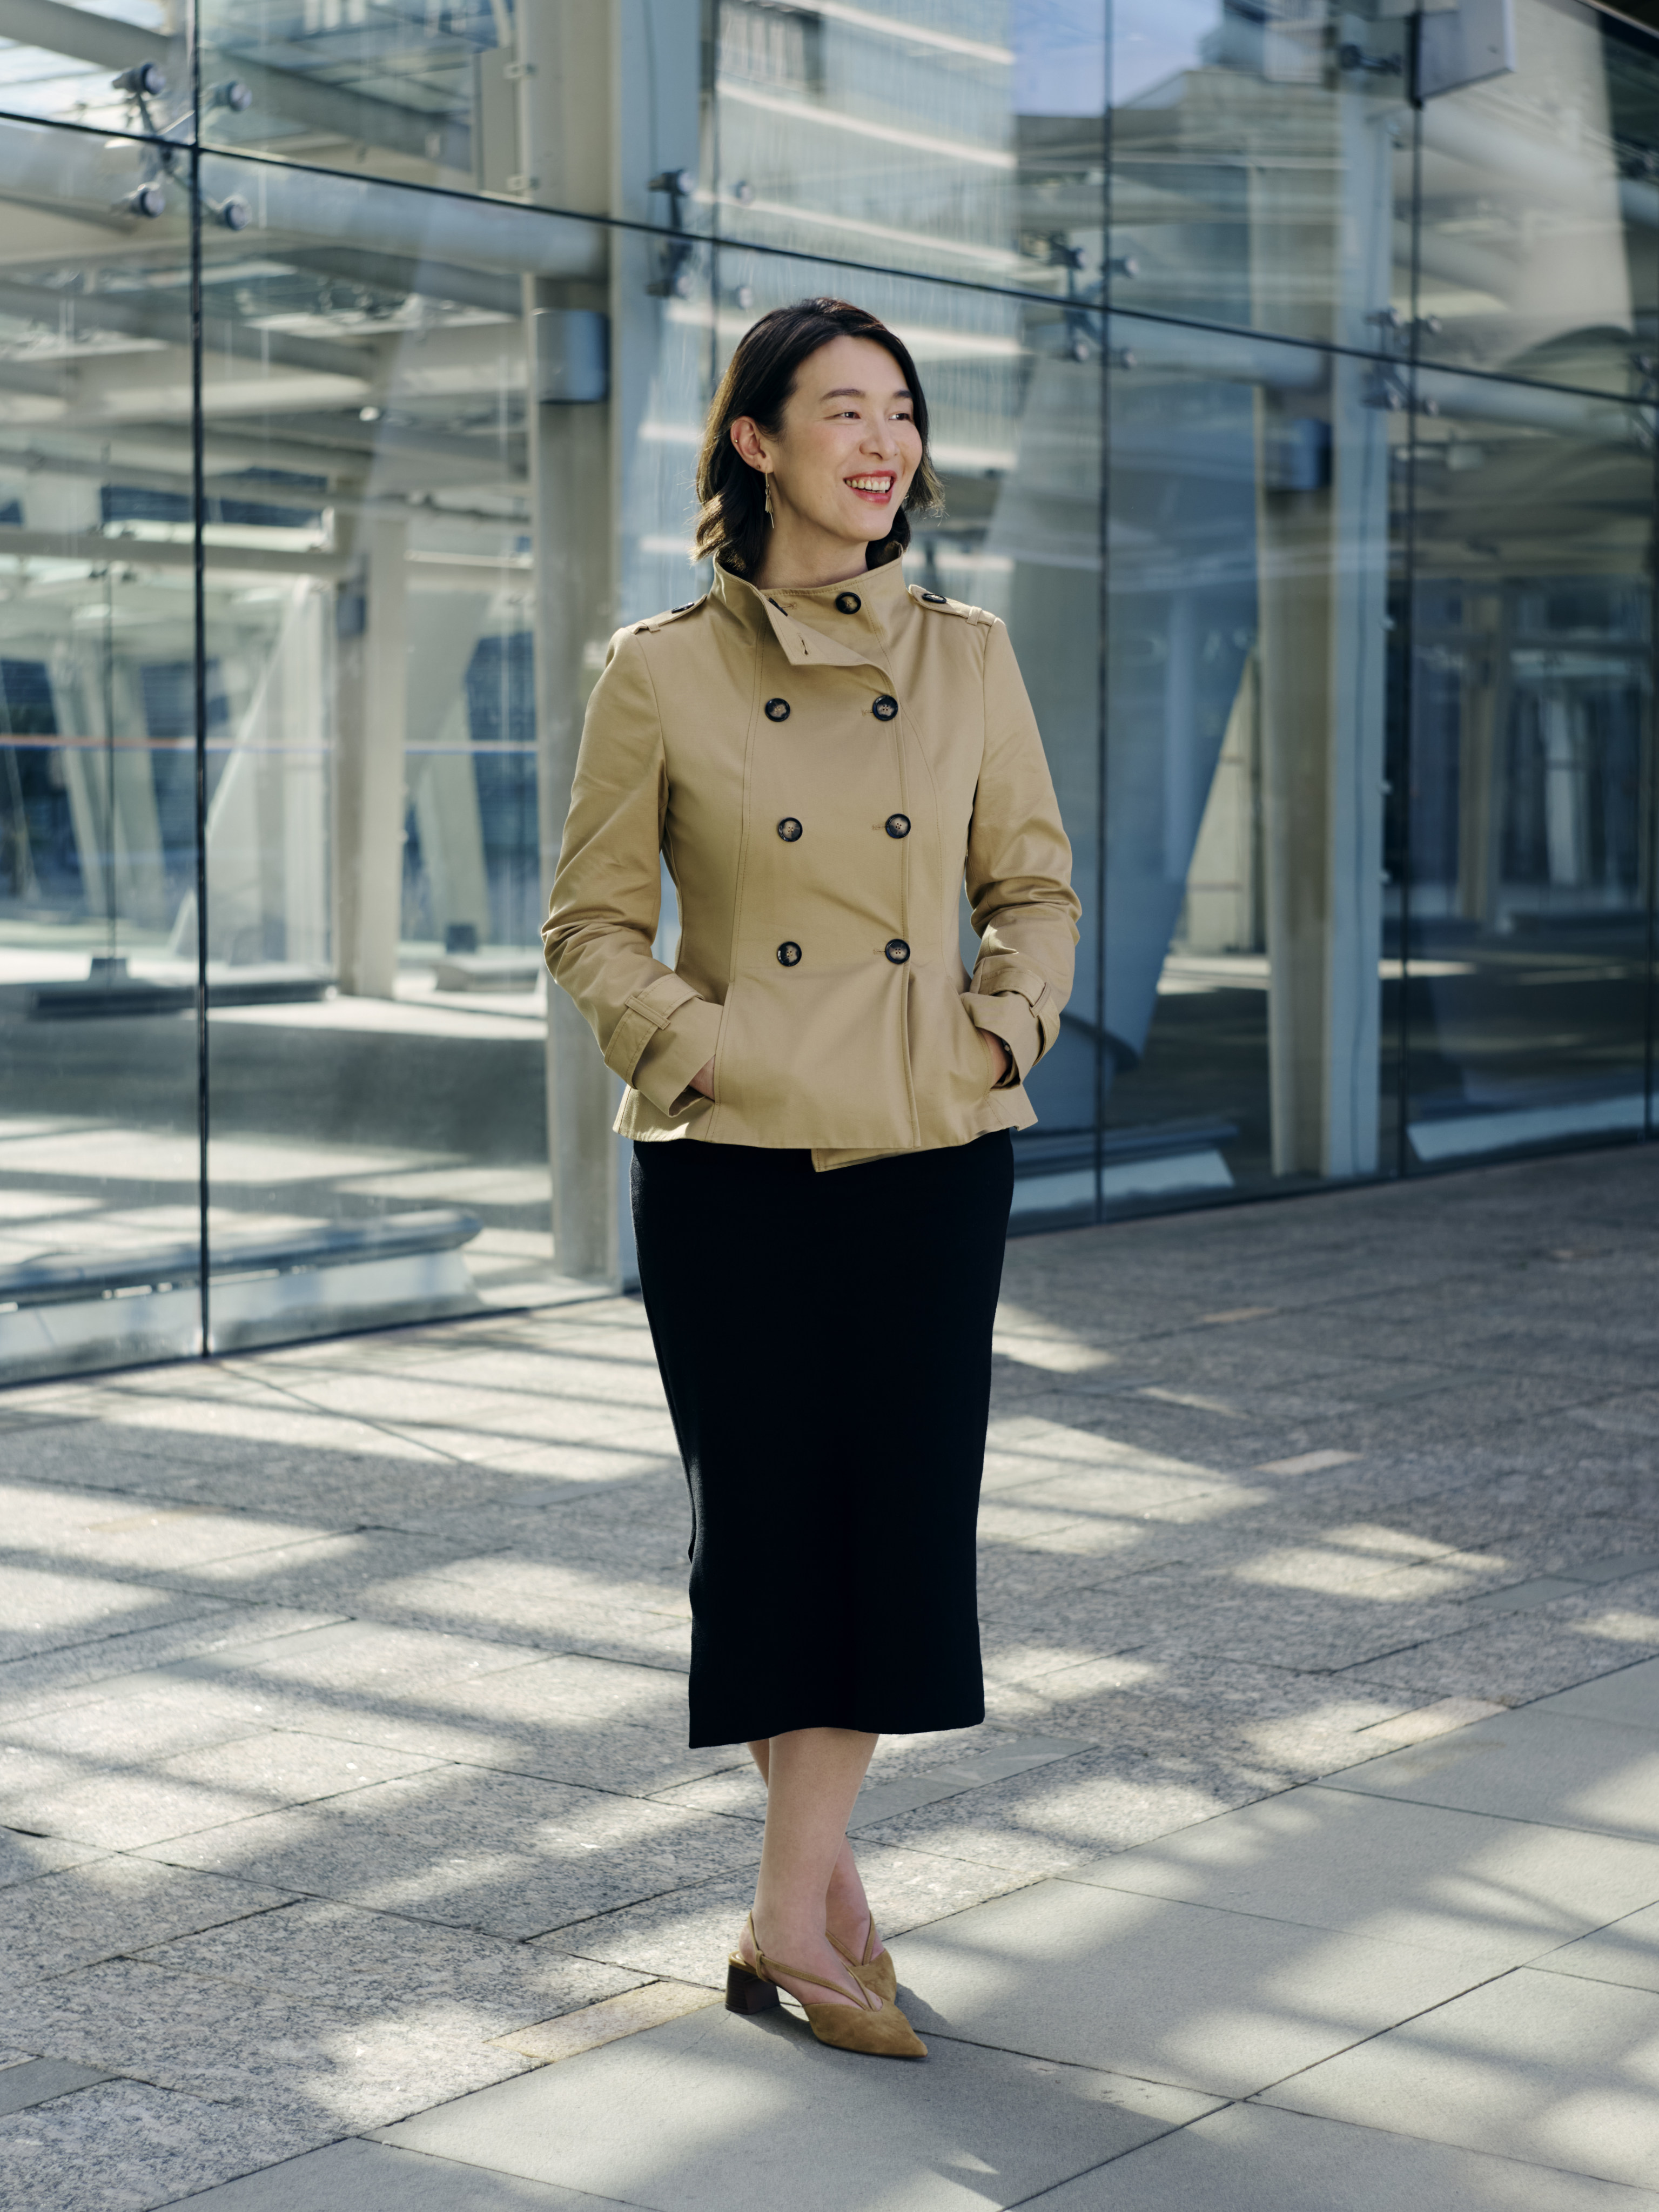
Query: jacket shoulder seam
[
  {"x": 653, "y": 624},
  {"x": 937, "y": 602}
]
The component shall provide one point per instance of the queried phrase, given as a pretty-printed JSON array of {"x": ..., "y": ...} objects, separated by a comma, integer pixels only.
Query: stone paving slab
[
  {"x": 506, "y": 1853},
  {"x": 1226, "y": 2002},
  {"x": 1248, "y": 2159},
  {"x": 370, "y": 2177},
  {"x": 728, "y": 2112},
  {"x": 37, "y": 2081},
  {"x": 1508, "y": 1890},
  {"x": 1630, "y": 1697},
  {"x": 404, "y": 1616},
  {"x": 125, "y": 2146},
  {"x": 1537, "y": 2066},
  {"x": 1550, "y": 1767},
  {"x": 112, "y": 1905}
]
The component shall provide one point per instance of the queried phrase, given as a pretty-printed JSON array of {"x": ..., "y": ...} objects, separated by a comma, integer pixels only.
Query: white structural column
[
  {"x": 593, "y": 128},
  {"x": 1321, "y": 237},
  {"x": 373, "y": 696},
  {"x": 566, "y": 67}
]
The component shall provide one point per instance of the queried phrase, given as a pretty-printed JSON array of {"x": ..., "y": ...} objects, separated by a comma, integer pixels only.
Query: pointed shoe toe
[{"x": 884, "y": 2034}]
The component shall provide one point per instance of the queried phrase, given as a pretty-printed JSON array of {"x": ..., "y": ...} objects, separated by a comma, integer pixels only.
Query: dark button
[
  {"x": 788, "y": 955},
  {"x": 788, "y": 829},
  {"x": 684, "y": 610},
  {"x": 897, "y": 951},
  {"x": 847, "y": 602},
  {"x": 777, "y": 710},
  {"x": 897, "y": 825},
  {"x": 935, "y": 598},
  {"x": 885, "y": 707}
]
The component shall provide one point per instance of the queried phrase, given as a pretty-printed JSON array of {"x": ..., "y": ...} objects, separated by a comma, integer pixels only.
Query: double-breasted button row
[
  {"x": 895, "y": 949},
  {"x": 883, "y": 707}
]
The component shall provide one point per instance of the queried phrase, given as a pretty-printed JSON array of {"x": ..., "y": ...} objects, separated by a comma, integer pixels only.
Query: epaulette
[
  {"x": 938, "y": 605},
  {"x": 674, "y": 614}
]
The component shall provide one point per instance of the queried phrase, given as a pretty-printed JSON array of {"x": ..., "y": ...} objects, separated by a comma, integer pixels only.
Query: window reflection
[{"x": 1302, "y": 432}]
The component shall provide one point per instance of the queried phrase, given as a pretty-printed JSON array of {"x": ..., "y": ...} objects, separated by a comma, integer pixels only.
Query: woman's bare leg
[
  {"x": 846, "y": 1915},
  {"x": 813, "y": 1777}
]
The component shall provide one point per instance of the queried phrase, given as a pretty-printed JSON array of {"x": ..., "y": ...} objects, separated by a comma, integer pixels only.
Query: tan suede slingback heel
[{"x": 855, "y": 2026}]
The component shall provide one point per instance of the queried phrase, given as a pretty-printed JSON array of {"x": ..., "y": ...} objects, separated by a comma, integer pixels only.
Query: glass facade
[{"x": 1294, "y": 372}]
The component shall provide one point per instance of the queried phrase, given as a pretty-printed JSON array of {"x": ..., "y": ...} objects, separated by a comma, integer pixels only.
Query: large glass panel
[
  {"x": 1539, "y": 238},
  {"x": 1244, "y": 955},
  {"x": 1521, "y": 897},
  {"x": 98, "y": 1063},
  {"x": 1261, "y": 165},
  {"x": 914, "y": 133},
  {"x": 596, "y": 109},
  {"x": 108, "y": 69},
  {"x": 407, "y": 91},
  {"x": 383, "y": 416}
]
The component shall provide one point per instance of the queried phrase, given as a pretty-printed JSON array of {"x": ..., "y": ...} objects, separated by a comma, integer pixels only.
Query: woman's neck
[{"x": 799, "y": 560}]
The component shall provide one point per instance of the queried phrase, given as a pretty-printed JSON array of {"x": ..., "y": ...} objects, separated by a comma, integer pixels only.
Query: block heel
[{"x": 745, "y": 1990}]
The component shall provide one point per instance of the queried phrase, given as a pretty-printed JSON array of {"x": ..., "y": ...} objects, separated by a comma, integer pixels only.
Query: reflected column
[
  {"x": 1321, "y": 537},
  {"x": 566, "y": 73},
  {"x": 374, "y": 704}
]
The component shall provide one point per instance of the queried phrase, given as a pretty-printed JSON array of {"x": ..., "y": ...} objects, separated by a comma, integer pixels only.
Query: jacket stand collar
[{"x": 809, "y": 627}]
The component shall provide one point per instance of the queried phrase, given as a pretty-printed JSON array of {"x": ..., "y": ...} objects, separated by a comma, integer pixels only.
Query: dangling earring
[{"x": 767, "y": 482}]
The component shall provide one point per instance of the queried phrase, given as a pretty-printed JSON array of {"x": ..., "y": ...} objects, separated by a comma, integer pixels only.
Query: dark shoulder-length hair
[{"x": 732, "y": 524}]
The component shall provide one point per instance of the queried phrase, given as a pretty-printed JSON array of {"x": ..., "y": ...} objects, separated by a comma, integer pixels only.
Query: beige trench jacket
[{"x": 821, "y": 770}]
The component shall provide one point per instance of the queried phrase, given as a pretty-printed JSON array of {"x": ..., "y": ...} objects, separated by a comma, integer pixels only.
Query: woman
[{"x": 820, "y": 1100}]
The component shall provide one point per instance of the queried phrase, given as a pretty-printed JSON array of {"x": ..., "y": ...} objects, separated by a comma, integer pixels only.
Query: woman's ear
[{"x": 746, "y": 438}]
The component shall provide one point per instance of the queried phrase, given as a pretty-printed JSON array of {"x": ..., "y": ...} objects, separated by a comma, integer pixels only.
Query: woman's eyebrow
[{"x": 857, "y": 392}]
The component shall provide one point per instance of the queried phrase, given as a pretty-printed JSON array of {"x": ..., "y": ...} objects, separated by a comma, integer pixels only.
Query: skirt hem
[{"x": 699, "y": 1740}]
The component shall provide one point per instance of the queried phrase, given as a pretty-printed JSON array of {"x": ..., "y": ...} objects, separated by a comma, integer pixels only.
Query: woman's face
[{"x": 847, "y": 447}]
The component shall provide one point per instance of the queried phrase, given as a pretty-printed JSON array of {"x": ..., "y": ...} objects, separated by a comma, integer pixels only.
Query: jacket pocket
[
  {"x": 949, "y": 1065},
  {"x": 816, "y": 1057}
]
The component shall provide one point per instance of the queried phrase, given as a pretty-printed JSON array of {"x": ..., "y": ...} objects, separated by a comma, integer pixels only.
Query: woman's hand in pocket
[
  {"x": 703, "y": 1081},
  {"x": 997, "y": 1053}
]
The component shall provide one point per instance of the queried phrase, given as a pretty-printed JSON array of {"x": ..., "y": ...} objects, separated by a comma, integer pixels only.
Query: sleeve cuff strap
[
  {"x": 1008, "y": 1016},
  {"x": 643, "y": 1013},
  {"x": 673, "y": 1055},
  {"x": 1009, "y": 971}
]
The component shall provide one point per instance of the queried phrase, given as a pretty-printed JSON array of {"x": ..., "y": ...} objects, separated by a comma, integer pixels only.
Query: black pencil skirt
[{"x": 826, "y": 1344}]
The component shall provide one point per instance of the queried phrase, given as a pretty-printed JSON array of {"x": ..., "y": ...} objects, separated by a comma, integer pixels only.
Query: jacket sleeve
[
  {"x": 653, "y": 1029},
  {"x": 1018, "y": 876}
]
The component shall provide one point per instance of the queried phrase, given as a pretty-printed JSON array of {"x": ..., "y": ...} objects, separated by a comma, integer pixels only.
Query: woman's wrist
[{"x": 1001, "y": 1059}]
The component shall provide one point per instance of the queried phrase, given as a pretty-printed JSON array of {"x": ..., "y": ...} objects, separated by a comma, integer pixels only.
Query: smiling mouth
[{"x": 877, "y": 487}]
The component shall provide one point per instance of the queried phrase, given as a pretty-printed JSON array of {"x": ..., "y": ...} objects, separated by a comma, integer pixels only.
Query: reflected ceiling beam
[
  {"x": 1237, "y": 358},
  {"x": 430, "y": 280},
  {"x": 102, "y": 549},
  {"x": 427, "y": 572},
  {"x": 45, "y": 381},
  {"x": 165, "y": 315},
  {"x": 402, "y": 219},
  {"x": 1530, "y": 407},
  {"x": 108, "y": 43},
  {"x": 70, "y": 173},
  {"x": 490, "y": 457},
  {"x": 33, "y": 461}
]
